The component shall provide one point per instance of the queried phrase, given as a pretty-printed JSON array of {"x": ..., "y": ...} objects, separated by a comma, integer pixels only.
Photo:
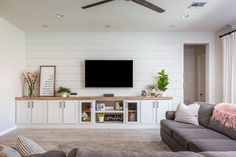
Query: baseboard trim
[{"x": 7, "y": 131}]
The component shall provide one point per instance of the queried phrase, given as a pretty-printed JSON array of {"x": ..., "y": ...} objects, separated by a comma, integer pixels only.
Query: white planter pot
[
  {"x": 64, "y": 95},
  {"x": 163, "y": 94},
  {"x": 101, "y": 119}
]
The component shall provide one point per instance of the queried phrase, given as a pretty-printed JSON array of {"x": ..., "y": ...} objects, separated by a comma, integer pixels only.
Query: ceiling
[{"x": 117, "y": 16}]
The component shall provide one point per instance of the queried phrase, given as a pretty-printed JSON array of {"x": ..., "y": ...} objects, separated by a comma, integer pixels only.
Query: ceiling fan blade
[
  {"x": 149, "y": 5},
  {"x": 97, "y": 3}
]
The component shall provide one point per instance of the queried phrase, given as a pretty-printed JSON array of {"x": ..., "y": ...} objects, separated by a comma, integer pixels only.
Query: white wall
[
  {"x": 12, "y": 62},
  {"x": 151, "y": 52}
]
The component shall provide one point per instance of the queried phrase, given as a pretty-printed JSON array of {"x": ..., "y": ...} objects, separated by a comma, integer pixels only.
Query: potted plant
[
  {"x": 64, "y": 91},
  {"x": 162, "y": 82},
  {"x": 30, "y": 79},
  {"x": 101, "y": 117},
  {"x": 152, "y": 88}
]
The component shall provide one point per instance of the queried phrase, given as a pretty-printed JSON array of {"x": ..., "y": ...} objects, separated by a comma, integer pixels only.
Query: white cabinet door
[
  {"x": 148, "y": 112},
  {"x": 23, "y": 112},
  {"x": 162, "y": 107},
  {"x": 70, "y": 112},
  {"x": 55, "y": 112},
  {"x": 39, "y": 112}
]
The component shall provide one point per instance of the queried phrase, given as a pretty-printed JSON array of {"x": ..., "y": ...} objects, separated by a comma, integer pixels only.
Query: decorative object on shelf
[
  {"x": 85, "y": 116},
  {"x": 101, "y": 117},
  {"x": 117, "y": 106},
  {"x": 144, "y": 92},
  {"x": 30, "y": 79},
  {"x": 163, "y": 82},
  {"x": 132, "y": 117},
  {"x": 47, "y": 80},
  {"x": 109, "y": 108},
  {"x": 114, "y": 117},
  {"x": 101, "y": 107},
  {"x": 64, "y": 91},
  {"x": 73, "y": 95},
  {"x": 152, "y": 88}
]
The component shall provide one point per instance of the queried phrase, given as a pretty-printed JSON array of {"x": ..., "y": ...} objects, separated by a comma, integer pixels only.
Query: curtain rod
[{"x": 227, "y": 33}]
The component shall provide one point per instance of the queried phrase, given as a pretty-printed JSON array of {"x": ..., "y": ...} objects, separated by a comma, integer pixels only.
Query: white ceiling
[{"x": 122, "y": 15}]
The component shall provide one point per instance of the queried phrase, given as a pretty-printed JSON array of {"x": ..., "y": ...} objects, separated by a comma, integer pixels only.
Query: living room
[{"x": 139, "y": 48}]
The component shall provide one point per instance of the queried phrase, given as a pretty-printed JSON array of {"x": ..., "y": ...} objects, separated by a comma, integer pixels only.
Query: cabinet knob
[
  {"x": 153, "y": 105},
  {"x": 60, "y": 104},
  {"x": 157, "y": 104},
  {"x": 32, "y": 104}
]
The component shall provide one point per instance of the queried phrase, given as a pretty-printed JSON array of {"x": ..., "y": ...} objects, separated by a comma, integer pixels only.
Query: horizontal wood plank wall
[{"x": 151, "y": 52}]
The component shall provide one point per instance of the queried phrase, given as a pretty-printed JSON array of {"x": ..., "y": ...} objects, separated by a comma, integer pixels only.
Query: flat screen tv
[{"x": 108, "y": 73}]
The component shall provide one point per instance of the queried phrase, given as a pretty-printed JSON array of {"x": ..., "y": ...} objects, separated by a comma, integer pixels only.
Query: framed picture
[{"x": 47, "y": 80}]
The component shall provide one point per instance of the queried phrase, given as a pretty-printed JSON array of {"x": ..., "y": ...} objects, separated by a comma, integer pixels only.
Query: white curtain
[{"x": 229, "y": 68}]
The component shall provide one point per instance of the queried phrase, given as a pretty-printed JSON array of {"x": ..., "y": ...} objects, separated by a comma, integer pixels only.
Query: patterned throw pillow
[
  {"x": 187, "y": 113},
  {"x": 27, "y": 147},
  {"x": 6, "y": 151}
]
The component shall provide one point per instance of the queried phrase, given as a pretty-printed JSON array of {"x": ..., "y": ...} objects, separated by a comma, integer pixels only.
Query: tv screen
[{"x": 108, "y": 73}]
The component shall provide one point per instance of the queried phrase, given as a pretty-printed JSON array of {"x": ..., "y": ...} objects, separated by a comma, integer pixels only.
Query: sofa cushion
[
  {"x": 215, "y": 125},
  {"x": 169, "y": 125},
  {"x": 185, "y": 136},
  {"x": 205, "y": 113},
  {"x": 200, "y": 145}
]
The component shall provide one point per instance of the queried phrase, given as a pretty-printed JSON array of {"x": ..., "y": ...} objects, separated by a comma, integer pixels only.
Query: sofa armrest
[
  {"x": 170, "y": 115},
  {"x": 52, "y": 153}
]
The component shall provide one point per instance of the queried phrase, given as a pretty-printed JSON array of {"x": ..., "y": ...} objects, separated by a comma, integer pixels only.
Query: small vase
[
  {"x": 30, "y": 91},
  {"x": 101, "y": 119}
]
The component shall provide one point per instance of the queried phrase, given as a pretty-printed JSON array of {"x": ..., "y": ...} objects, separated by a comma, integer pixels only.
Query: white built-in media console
[{"x": 84, "y": 112}]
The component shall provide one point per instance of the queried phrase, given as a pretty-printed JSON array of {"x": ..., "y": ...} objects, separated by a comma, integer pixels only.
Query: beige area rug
[
  {"x": 137, "y": 140},
  {"x": 135, "y": 146}
]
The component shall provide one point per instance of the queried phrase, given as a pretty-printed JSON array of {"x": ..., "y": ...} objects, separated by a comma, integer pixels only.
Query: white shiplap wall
[{"x": 151, "y": 52}]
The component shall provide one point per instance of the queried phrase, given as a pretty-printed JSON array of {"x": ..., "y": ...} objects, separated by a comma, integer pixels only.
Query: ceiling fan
[{"x": 140, "y": 2}]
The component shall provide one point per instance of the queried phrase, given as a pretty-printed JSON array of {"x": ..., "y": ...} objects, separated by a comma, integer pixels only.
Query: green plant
[
  {"x": 151, "y": 86},
  {"x": 101, "y": 114},
  {"x": 163, "y": 81},
  {"x": 63, "y": 90}
]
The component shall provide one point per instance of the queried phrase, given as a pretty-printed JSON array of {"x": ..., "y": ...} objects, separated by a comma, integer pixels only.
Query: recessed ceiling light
[
  {"x": 172, "y": 26},
  {"x": 44, "y": 26},
  {"x": 108, "y": 26},
  {"x": 185, "y": 16},
  {"x": 59, "y": 15}
]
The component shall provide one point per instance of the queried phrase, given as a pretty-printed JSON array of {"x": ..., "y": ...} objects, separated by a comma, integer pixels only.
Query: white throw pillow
[
  {"x": 27, "y": 147},
  {"x": 187, "y": 113}
]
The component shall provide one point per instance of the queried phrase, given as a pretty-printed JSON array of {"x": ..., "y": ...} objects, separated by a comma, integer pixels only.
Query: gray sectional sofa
[{"x": 208, "y": 136}]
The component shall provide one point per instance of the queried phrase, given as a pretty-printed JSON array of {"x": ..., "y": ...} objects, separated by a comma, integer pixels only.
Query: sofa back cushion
[
  {"x": 205, "y": 113},
  {"x": 215, "y": 125}
]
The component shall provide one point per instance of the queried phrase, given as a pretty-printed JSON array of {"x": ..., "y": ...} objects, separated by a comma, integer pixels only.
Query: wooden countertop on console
[{"x": 97, "y": 98}]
